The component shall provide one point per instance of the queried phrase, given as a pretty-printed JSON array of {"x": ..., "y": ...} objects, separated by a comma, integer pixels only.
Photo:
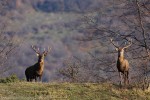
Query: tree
[{"x": 8, "y": 42}]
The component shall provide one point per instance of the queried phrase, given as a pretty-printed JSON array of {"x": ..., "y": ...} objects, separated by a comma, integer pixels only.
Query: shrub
[{"x": 10, "y": 79}]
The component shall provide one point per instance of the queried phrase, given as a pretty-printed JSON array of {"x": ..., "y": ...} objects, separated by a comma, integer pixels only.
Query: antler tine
[
  {"x": 111, "y": 40},
  {"x": 49, "y": 49},
  {"x": 36, "y": 50},
  {"x": 128, "y": 44},
  {"x": 45, "y": 52}
]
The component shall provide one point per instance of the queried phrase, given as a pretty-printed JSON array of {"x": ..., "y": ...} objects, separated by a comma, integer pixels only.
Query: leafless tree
[
  {"x": 70, "y": 71},
  {"x": 8, "y": 43}
]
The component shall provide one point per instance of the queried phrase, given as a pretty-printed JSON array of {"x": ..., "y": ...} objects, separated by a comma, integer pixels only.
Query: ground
[{"x": 69, "y": 91}]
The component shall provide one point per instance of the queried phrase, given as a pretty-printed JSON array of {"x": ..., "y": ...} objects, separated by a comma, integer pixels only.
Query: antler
[
  {"x": 45, "y": 52},
  {"x": 111, "y": 40},
  {"x": 128, "y": 44},
  {"x": 36, "y": 50}
]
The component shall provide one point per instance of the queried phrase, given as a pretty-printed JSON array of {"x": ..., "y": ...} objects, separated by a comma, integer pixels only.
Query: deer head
[
  {"x": 121, "y": 49},
  {"x": 40, "y": 55}
]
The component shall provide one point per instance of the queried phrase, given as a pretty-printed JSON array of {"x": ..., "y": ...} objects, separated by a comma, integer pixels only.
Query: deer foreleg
[
  {"x": 40, "y": 78},
  {"x": 120, "y": 75},
  {"x": 30, "y": 80},
  {"x": 124, "y": 78}
]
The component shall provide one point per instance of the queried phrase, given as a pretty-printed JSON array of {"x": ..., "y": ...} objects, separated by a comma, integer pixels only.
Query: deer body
[
  {"x": 122, "y": 64},
  {"x": 36, "y": 70}
]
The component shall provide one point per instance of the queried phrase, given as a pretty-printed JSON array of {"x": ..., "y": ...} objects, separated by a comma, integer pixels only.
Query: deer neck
[
  {"x": 121, "y": 57},
  {"x": 41, "y": 64},
  {"x": 39, "y": 67}
]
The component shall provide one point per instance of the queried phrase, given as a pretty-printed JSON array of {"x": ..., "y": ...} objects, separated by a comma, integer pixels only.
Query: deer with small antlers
[
  {"x": 122, "y": 63},
  {"x": 36, "y": 70}
]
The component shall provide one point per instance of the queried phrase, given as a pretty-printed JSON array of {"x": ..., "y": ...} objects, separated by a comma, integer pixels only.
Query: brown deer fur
[
  {"x": 36, "y": 70},
  {"x": 122, "y": 64}
]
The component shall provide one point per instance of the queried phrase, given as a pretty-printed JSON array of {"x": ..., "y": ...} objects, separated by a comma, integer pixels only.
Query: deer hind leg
[
  {"x": 27, "y": 78},
  {"x": 126, "y": 79}
]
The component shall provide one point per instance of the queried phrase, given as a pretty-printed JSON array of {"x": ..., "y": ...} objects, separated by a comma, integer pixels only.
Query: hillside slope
[{"x": 68, "y": 91}]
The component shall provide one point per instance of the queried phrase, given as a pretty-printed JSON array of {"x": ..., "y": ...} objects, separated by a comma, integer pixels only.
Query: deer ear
[
  {"x": 45, "y": 54},
  {"x": 116, "y": 49},
  {"x": 37, "y": 54}
]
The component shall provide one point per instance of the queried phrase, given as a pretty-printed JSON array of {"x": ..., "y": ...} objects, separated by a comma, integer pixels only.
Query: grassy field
[{"x": 68, "y": 91}]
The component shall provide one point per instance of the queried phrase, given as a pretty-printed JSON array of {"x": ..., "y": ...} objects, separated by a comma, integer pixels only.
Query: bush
[{"x": 10, "y": 79}]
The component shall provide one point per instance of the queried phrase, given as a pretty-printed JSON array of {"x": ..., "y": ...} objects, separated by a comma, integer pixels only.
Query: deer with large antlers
[
  {"x": 122, "y": 63},
  {"x": 36, "y": 70}
]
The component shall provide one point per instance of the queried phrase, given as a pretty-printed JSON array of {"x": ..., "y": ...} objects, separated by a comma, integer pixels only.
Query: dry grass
[{"x": 68, "y": 91}]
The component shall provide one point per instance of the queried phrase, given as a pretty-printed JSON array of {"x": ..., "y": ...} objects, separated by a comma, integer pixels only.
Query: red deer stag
[
  {"x": 36, "y": 70},
  {"x": 122, "y": 63}
]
